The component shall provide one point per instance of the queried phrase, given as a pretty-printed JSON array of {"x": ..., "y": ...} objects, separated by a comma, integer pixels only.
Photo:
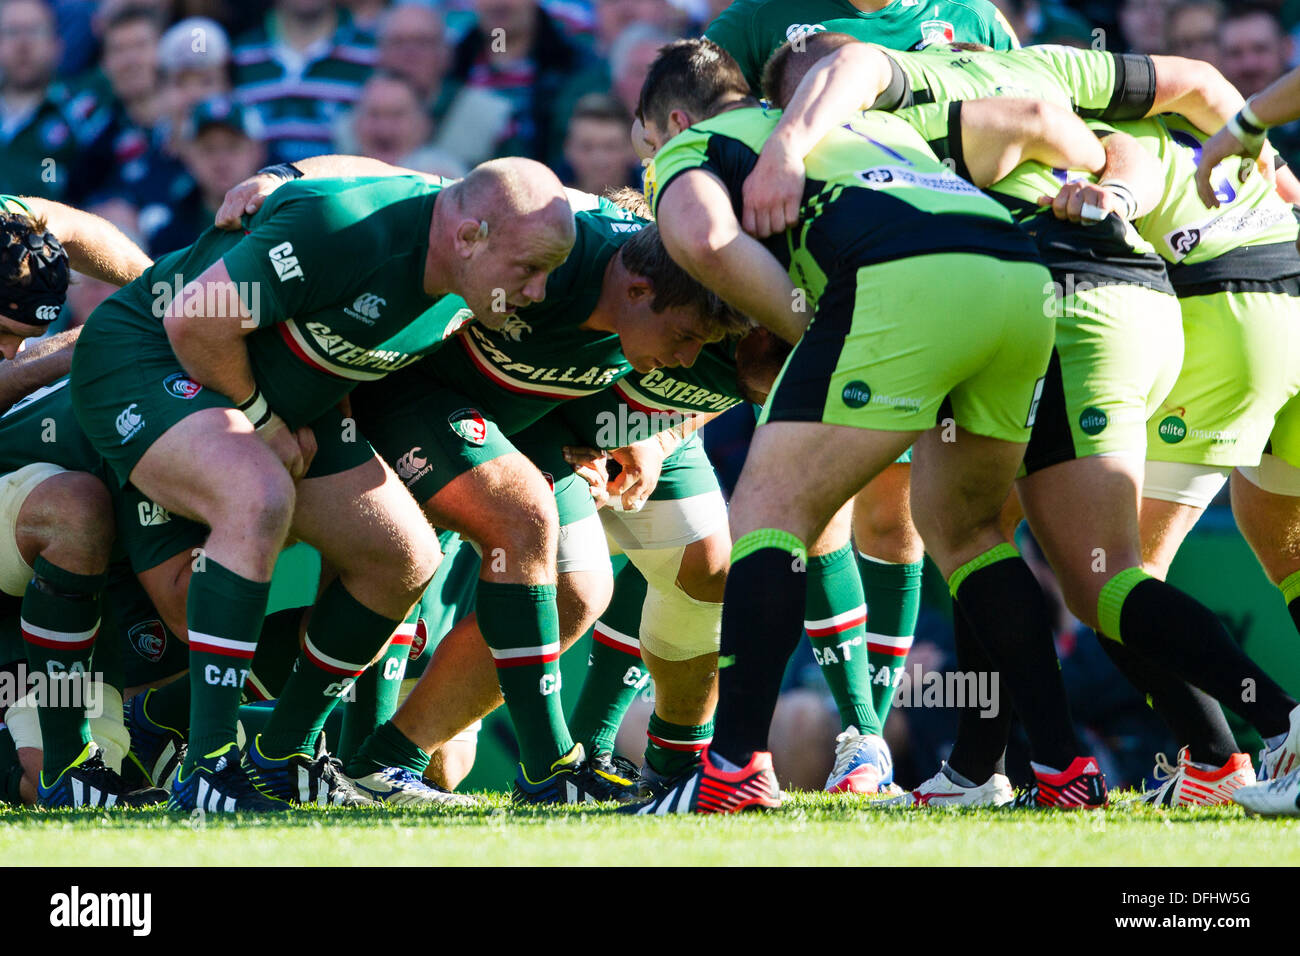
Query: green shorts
[
  {"x": 1241, "y": 367},
  {"x": 147, "y": 534},
  {"x": 885, "y": 350},
  {"x": 543, "y": 442},
  {"x": 1118, "y": 351},
  {"x": 128, "y": 388}
]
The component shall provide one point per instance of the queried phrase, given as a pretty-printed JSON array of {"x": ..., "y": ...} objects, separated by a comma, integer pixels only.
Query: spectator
[
  {"x": 615, "y": 16},
  {"x": 630, "y": 59},
  {"x": 597, "y": 148},
  {"x": 130, "y": 65},
  {"x": 48, "y": 140},
  {"x": 390, "y": 124},
  {"x": 365, "y": 14},
  {"x": 219, "y": 150},
  {"x": 413, "y": 43},
  {"x": 85, "y": 294},
  {"x": 1256, "y": 50},
  {"x": 300, "y": 72},
  {"x": 518, "y": 50},
  {"x": 1144, "y": 25},
  {"x": 1194, "y": 28}
]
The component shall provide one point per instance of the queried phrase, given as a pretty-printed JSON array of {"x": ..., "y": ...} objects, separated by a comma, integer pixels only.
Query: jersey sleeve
[
  {"x": 1110, "y": 86},
  {"x": 737, "y": 30},
  {"x": 299, "y": 256},
  {"x": 687, "y": 150}
]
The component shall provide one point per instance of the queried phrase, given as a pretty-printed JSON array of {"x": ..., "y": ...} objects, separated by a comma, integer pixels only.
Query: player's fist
[
  {"x": 591, "y": 466},
  {"x": 1086, "y": 203},
  {"x": 246, "y": 198},
  {"x": 773, "y": 191},
  {"x": 285, "y": 444}
]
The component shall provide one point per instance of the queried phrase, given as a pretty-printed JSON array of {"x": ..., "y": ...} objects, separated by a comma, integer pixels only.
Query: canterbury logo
[
  {"x": 129, "y": 421},
  {"x": 411, "y": 464},
  {"x": 47, "y": 313},
  {"x": 285, "y": 262},
  {"x": 367, "y": 306}
]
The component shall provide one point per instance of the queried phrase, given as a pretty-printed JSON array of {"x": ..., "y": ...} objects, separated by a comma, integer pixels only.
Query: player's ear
[
  {"x": 469, "y": 232},
  {"x": 678, "y": 120}
]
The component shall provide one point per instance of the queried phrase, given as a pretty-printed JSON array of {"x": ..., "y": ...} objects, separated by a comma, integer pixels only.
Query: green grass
[{"x": 811, "y": 829}]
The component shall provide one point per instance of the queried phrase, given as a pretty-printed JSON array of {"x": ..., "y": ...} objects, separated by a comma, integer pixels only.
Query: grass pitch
[{"x": 812, "y": 829}]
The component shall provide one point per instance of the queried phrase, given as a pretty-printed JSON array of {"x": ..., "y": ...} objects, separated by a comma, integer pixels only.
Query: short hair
[
  {"x": 602, "y": 108},
  {"x": 696, "y": 75},
  {"x": 793, "y": 59},
  {"x": 133, "y": 13},
  {"x": 1244, "y": 11},
  {"x": 644, "y": 255},
  {"x": 633, "y": 200}
]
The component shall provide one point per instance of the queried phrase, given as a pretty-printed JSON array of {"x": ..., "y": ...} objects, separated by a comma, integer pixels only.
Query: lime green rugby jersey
[{"x": 751, "y": 30}]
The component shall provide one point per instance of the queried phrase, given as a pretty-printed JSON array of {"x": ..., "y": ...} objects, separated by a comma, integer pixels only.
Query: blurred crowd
[{"x": 146, "y": 111}]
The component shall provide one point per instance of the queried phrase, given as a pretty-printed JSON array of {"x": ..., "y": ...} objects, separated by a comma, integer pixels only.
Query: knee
[
  {"x": 583, "y": 597},
  {"x": 260, "y": 497},
  {"x": 882, "y": 530},
  {"x": 702, "y": 580},
  {"x": 77, "y": 521},
  {"x": 524, "y": 534}
]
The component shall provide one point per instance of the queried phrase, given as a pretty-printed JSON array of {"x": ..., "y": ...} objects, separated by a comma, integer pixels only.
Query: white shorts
[
  {"x": 15, "y": 487},
  {"x": 673, "y": 523}
]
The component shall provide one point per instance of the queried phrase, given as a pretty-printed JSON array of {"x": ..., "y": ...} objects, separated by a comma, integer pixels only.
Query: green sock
[
  {"x": 521, "y": 627},
  {"x": 11, "y": 771},
  {"x": 224, "y": 613},
  {"x": 673, "y": 748},
  {"x": 60, "y": 619},
  {"x": 387, "y": 747},
  {"x": 377, "y": 691},
  {"x": 835, "y": 619},
  {"x": 893, "y": 594},
  {"x": 169, "y": 706},
  {"x": 614, "y": 670},
  {"x": 342, "y": 638},
  {"x": 277, "y": 652}
]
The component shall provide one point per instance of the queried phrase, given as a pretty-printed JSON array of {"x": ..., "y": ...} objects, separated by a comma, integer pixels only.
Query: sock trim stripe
[
  {"x": 993, "y": 555},
  {"x": 837, "y": 623},
  {"x": 767, "y": 538},
  {"x": 522, "y": 656},
  {"x": 332, "y": 664},
  {"x": 224, "y": 646},
  {"x": 255, "y": 688},
  {"x": 685, "y": 746},
  {"x": 402, "y": 638},
  {"x": 896, "y": 644},
  {"x": 1290, "y": 587},
  {"x": 1110, "y": 603},
  {"x": 61, "y": 640},
  {"x": 606, "y": 635}
]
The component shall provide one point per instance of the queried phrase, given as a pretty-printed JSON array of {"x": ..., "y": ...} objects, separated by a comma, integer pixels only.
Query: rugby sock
[
  {"x": 1176, "y": 632},
  {"x": 224, "y": 613},
  {"x": 762, "y": 622},
  {"x": 169, "y": 706},
  {"x": 981, "y": 744},
  {"x": 1010, "y": 618},
  {"x": 673, "y": 748},
  {"x": 1290, "y": 588},
  {"x": 60, "y": 619},
  {"x": 1194, "y": 717},
  {"x": 521, "y": 627},
  {"x": 386, "y": 747},
  {"x": 11, "y": 771},
  {"x": 893, "y": 593},
  {"x": 342, "y": 638},
  {"x": 615, "y": 673},
  {"x": 835, "y": 619},
  {"x": 277, "y": 652},
  {"x": 377, "y": 691}
]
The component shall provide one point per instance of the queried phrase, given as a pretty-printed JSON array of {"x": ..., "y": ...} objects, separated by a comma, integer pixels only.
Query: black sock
[
  {"x": 762, "y": 622},
  {"x": 1010, "y": 618},
  {"x": 1174, "y": 631},
  {"x": 981, "y": 745},
  {"x": 1193, "y": 716}
]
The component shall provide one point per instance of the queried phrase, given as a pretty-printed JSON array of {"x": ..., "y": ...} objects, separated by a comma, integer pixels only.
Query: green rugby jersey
[
  {"x": 1249, "y": 239},
  {"x": 542, "y": 356},
  {"x": 42, "y": 428},
  {"x": 333, "y": 272},
  {"x": 874, "y": 192},
  {"x": 751, "y": 30}
]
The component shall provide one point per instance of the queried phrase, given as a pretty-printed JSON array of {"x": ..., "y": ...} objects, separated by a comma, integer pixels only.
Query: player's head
[
  {"x": 510, "y": 225},
  {"x": 690, "y": 81},
  {"x": 664, "y": 316},
  {"x": 787, "y": 67},
  {"x": 33, "y": 279}
]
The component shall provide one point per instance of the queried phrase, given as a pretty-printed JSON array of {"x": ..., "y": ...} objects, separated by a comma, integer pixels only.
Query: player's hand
[
  {"x": 641, "y": 463},
  {"x": 307, "y": 443},
  {"x": 246, "y": 199},
  {"x": 773, "y": 191},
  {"x": 591, "y": 465},
  {"x": 285, "y": 444},
  {"x": 1082, "y": 202}
]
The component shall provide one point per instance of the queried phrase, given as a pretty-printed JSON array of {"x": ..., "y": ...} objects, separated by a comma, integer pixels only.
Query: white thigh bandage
[
  {"x": 582, "y": 547},
  {"x": 106, "y": 726},
  {"x": 1274, "y": 475},
  {"x": 1183, "y": 483},
  {"x": 674, "y": 625},
  {"x": 666, "y": 524},
  {"x": 14, "y": 489}
]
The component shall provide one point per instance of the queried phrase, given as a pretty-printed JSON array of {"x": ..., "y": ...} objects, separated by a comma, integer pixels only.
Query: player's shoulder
[{"x": 381, "y": 205}]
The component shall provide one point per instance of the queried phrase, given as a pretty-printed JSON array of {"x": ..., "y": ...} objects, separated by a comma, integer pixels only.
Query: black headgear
[{"x": 38, "y": 300}]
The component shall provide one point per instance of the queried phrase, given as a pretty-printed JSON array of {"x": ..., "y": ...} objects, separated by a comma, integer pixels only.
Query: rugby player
[
  {"x": 236, "y": 350},
  {"x": 871, "y": 239},
  {"x": 1246, "y": 134}
]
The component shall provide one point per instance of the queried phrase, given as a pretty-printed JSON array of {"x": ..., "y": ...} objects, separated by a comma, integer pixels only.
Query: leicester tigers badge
[{"x": 469, "y": 424}]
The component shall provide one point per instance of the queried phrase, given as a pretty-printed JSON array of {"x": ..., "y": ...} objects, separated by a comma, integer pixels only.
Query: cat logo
[
  {"x": 366, "y": 308},
  {"x": 152, "y": 514},
  {"x": 285, "y": 262}
]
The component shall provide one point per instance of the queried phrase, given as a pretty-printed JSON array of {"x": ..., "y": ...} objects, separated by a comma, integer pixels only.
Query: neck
[
  {"x": 736, "y": 103},
  {"x": 604, "y": 317},
  {"x": 301, "y": 32},
  {"x": 870, "y": 6},
  {"x": 438, "y": 271}
]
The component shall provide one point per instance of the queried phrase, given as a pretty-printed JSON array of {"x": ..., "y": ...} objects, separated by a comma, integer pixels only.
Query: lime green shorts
[
  {"x": 1117, "y": 355},
  {"x": 893, "y": 343},
  {"x": 1241, "y": 367}
]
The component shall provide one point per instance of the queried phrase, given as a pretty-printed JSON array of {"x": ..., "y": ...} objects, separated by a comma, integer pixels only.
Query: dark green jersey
[
  {"x": 751, "y": 30},
  {"x": 874, "y": 192},
  {"x": 542, "y": 356},
  {"x": 1251, "y": 236},
  {"x": 42, "y": 428},
  {"x": 333, "y": 273}
]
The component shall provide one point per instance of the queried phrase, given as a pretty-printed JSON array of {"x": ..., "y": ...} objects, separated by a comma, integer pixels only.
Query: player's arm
[
  {"x": 1246, "y": 135},
  {"x": 701, "y": 233},
  {"x": 95, "y": 246},
  {"x": 247, "y": 197},
  {"x": 1131, "y": 184},
  {"x": 850, "y": 79},
  {"x": 1194, "y": 89},
  {"x": 1000, "y": 133},
  {"x": 36, "y": 366}
]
